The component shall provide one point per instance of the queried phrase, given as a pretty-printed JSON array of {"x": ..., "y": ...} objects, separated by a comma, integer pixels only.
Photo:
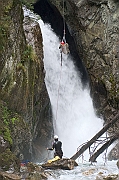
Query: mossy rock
[{"x": 8, "y": 159}]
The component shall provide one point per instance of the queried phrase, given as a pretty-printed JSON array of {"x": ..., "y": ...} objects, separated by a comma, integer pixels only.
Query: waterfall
[
  {"x": 74, "y": 118},
  {"x": 75, "y": 121}
]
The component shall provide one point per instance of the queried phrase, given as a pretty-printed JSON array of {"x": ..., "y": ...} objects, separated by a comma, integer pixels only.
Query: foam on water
[{"x": 86, "y": 171}]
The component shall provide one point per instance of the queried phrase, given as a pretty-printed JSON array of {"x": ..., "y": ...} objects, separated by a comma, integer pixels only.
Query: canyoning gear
[
  {"x": 62, "y": 43},
  {"x": 54, "y": 159},
  {"x": 57, "y": 145},
  {"x": 64, "y": 47},
  {"x": 55, "y": 137},
  {"x": 64, "y": 25}
]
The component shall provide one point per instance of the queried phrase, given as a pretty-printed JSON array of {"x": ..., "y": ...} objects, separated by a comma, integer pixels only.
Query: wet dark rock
[
  {"x": 25, "y": 110},
  {"x": 9, "y": 160},
  {"x": 94, "y": 26},
  {"x": 3, "y": 144},
  {"x": 109, "y": 177},
  {"x": 27, "y": 171},
  {"x": 66, "y": 164},
  {"x": 118, "y": 164},
  {"x": 32, "y": 171},
  {"x": 114, "y": 153},
  {"x": 9, "y": 176}
]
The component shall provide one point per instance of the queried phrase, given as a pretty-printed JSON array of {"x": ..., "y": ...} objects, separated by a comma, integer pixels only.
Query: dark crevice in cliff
[{"x": 51, "y": 15}]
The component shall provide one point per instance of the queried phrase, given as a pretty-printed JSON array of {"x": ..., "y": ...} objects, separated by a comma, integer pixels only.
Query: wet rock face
[
  {"x": 42, "y": 108},
  {"x": 94, "y": 26},
  {"x": 13, "y": 43},
  {"x": 66, "y": 164},
  {"x": 27, "y": 171},
  {"x": 98, "y": 2},
  {"x": 25, "y": 110}
]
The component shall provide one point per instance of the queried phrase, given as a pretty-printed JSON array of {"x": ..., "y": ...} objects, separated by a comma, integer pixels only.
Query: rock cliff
[
  {"x": 94, "y": 25},
  {"x": 25, "y": 110}
]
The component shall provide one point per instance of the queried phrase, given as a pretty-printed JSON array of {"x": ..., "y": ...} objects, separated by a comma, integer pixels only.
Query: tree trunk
[
  {"x": 105, "y": 146},
  {"x": 89, "y": 143}
]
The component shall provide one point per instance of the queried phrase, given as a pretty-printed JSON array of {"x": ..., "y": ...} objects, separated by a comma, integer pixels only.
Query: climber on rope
[{"x": 64, "y": 47}]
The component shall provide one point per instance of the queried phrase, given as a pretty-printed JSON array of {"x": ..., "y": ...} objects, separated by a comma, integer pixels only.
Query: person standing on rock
[{"x": 57, "y": 145}]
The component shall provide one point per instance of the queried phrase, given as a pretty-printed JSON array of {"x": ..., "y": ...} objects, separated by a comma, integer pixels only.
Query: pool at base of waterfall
[{"x": 86, "y": 171}]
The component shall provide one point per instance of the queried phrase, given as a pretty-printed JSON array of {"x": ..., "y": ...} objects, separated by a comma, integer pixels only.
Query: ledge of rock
[
  {"x": 9, "y": 176},
  {"x": 66, "y": 164}
]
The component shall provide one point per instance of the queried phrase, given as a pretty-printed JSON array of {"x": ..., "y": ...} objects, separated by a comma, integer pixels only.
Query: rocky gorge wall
[
  {"x": 25, "y": 110},
  {"x": 94, "y": 25}
]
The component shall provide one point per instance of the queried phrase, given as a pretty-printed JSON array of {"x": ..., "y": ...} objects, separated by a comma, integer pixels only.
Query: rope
[
  {"x": 105, "y": 155},
  {"x": 61, "y": 60},
  {"x": 64, "y": 24},
  {"x": 58, "y": 92}
]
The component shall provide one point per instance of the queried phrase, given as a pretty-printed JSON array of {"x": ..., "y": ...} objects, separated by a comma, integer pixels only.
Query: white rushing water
[
  {"x": 74, "y": 118},
  {"x": 86, "y": 171}
]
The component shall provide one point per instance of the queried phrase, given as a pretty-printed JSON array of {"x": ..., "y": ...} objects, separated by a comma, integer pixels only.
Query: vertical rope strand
[
  {"x": 58, "y": 93},
  {"x": 61, "y": 66},
  {"x": 64, "y": 23}
]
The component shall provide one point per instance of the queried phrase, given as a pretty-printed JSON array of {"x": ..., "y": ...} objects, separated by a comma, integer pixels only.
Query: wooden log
[
  {"x": 101, "y": 150},
  {"x": 89, "y": 143},
  {"x": 66, "y": 164}
]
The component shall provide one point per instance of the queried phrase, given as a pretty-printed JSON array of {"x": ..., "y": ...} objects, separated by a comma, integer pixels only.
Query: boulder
[
  {"x": 66, "y": 164},
  {"x": 118, "y": 163},
  {"x": 9, "y": 176},
  {"x": 109, "y": 177}
]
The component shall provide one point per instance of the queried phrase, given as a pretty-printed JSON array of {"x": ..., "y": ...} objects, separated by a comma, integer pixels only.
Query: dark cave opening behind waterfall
[{"x": 49, "y": 14}]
